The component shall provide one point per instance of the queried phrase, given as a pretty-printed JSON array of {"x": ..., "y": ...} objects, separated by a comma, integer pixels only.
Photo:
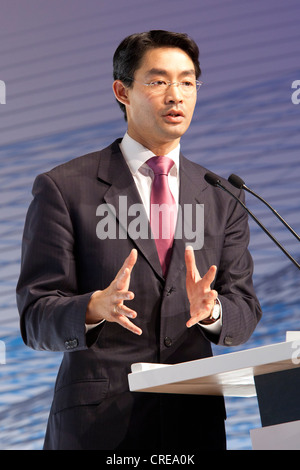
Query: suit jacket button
[
  {"x": 168, "y": 341},
  {"x": 228, "y": 340},
  {"x": 71, "y": 344},
  {"x": 170, "y": 290}
]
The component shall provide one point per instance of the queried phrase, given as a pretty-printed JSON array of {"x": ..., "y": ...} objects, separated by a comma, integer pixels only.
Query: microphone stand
[
  {"x": 239, "y": 183},
  {"x": 214, "y": 181}
]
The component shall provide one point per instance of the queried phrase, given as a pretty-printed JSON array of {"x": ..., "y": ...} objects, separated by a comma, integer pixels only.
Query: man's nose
[{"x": 174, "y": 93}]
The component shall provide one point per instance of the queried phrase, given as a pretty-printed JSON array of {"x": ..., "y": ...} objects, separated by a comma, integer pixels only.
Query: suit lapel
[{"x": 122, "y": 194}]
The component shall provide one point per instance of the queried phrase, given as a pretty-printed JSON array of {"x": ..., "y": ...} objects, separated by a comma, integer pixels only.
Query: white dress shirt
[{"x": 136, "y": 156}]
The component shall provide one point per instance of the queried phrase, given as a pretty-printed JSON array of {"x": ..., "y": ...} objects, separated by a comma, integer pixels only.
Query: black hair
[{"x": 129, "y": 54}]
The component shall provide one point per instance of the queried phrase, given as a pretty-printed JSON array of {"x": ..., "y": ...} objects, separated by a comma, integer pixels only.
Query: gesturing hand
[
  {"x": 199, "y": 293},
  {"x": 108, "y": 304}
]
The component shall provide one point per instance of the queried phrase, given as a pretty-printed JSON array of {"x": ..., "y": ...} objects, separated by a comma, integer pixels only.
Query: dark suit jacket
[{"x": 63, "y": 262}]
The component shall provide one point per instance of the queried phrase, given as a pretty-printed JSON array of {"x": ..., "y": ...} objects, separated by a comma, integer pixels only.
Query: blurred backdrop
[{"x": 56, "y": 63}]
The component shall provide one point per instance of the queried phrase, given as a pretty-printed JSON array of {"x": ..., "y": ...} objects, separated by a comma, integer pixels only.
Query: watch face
[{"x": 216, "y": 312}]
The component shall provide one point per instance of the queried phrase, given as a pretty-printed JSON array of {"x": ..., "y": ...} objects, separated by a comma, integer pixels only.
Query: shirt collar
[{"x": 136, "y": 154}]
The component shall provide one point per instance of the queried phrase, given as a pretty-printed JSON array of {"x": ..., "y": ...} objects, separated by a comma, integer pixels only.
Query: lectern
[{"x": 272, "y": 373}]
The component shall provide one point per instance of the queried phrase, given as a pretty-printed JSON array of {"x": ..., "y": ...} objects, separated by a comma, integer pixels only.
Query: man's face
[{"x": 159, "y": 119}]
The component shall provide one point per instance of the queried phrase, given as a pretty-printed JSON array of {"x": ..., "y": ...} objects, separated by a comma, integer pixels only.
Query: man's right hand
[{"x": 108, "y": 304}]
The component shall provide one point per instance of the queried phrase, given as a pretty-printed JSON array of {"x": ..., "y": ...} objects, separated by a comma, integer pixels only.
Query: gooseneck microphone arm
[
  {"x": 240, "y": 184},
  {"x": 214, "y": 180}
]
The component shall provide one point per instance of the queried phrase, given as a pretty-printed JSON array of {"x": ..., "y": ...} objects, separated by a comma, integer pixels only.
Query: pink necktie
[{"x": 162, "y": 209}]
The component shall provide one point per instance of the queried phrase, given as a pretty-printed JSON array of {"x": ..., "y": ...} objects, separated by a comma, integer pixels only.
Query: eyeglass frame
[{"x": 198, "y": 83}]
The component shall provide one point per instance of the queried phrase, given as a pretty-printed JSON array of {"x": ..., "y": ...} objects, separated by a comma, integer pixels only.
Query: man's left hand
[{"x": 201, "y": 296}]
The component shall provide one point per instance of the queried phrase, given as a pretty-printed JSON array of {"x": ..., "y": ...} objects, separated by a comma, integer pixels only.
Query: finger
[
  {"x": 214, "y": 294},
  {"x": 122, "y": 279},
  {"x": 191, "y": 322},
  {"x": 196, "y": 318},
  {"x": 126, "y": 323},
  {"x": 121, "y": 296},
  {"x": 189, "y": 258},
  {"x": 124, "y": 310},
  {"x": 129, "y": 262},
  {"x": 131, "y": 259},
  {"x": 121, "y": 309},
  {"x": 123, "y": 276},
  {"x": 190, "y": 262},
  {"x": 209, "y": 277}
]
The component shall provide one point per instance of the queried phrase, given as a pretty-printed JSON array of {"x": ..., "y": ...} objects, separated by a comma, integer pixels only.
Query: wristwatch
[{"x": 214, "y": 314}]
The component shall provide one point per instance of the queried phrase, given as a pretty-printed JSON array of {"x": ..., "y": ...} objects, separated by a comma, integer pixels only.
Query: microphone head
[
  {"x": 212, "y": 179},
  {"x": 236, "y": 181}
]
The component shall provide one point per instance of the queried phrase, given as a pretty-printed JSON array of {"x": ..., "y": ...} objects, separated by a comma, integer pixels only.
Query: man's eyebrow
[
  {"x": 164, "y": 72},
  {"x": 155, "y": 71}
]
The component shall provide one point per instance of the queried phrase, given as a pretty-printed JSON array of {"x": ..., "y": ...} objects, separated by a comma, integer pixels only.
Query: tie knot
[{"x": 160, "y": 165}]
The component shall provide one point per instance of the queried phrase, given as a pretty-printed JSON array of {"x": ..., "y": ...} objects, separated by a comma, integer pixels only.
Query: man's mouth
[
  {"x": 174, "y": 116},
  {"x": 173, "y": 112}
]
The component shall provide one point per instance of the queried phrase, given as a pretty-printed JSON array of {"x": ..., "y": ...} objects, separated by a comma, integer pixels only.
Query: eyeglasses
[{"x": 161, "y": 86}]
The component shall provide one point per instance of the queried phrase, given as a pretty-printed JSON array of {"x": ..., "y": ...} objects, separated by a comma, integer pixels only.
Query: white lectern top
[{"x": 229, "y": 374}]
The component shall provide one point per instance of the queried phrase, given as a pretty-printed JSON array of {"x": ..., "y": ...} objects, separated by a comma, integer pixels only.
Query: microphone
[
  {"x": 240, "y": 184},
  {"x": 214, "y": 180}
]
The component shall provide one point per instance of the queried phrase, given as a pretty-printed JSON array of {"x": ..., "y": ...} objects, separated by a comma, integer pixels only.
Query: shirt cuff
[{"x": 89, "y": 327}]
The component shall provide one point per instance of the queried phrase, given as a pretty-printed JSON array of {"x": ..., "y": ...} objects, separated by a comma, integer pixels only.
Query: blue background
[{"x": 56, "y": 61}]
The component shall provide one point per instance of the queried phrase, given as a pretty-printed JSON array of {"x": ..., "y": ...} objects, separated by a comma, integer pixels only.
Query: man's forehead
[{"x": 165, "y": 59}]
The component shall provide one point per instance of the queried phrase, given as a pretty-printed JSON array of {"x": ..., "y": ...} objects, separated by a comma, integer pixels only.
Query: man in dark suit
[{"x": 93, "y": 289}]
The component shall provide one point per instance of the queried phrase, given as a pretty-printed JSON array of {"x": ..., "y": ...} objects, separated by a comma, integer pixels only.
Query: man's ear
[{"x": 121, "y": 92}]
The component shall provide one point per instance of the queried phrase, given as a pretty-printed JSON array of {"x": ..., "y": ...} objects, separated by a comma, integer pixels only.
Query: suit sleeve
[
  {"x": 240, "y": 308},
  {"x": 52, "y": 312}
]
